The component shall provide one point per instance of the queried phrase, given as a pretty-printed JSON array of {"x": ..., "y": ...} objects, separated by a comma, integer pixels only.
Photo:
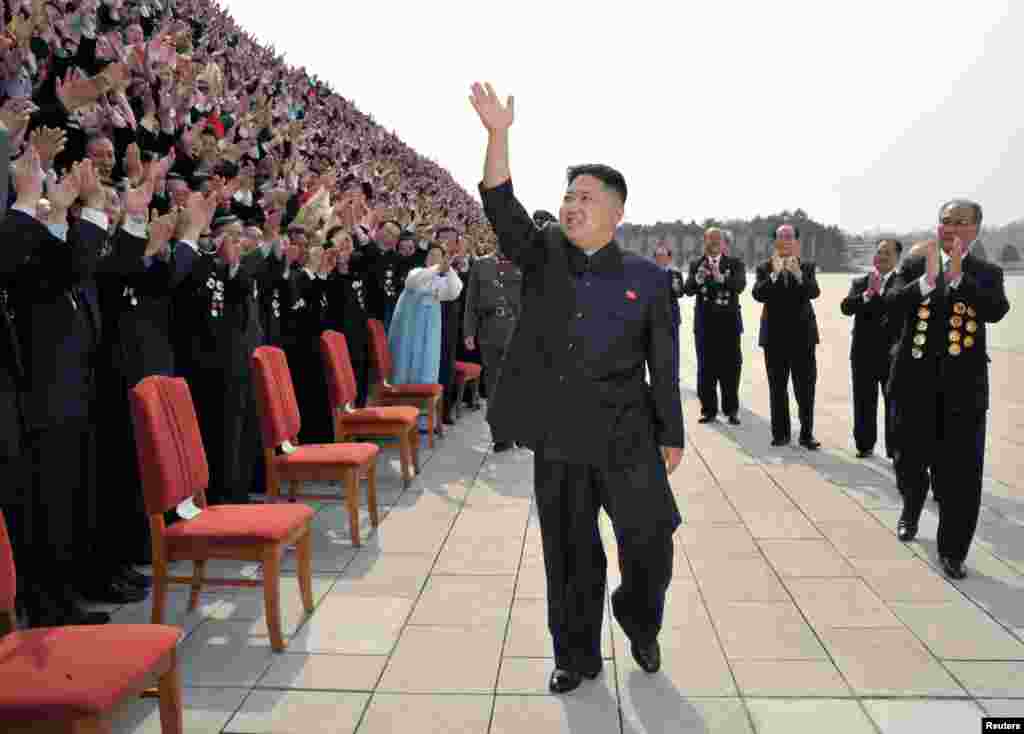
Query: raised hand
[
  {"x": 231, "y": 251},
  {"x": 64, "y": 193},
  {"x": 133, "y": 163},
  {"x": 932, "y": 259},
  {"x": 136, "y": 201},
  {"x": 777, "y": 263},
  {"x": 28, "y": 179},
  {"x": 493, "y": 114},
  {"x": 956, "y": 261},
  {"x": 161, "y": 229}
]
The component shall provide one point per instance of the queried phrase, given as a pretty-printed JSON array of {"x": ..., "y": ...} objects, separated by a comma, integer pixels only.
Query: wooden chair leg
[
  {"x": 405, "y": 453},
  {"x": 352, "y": 500},
  {"x": 272, "y": 595},
  {"x": 414, "y": 442},
  {"x": 170, "y": 699},
  {"x": 304, "y": 559},
  {"x": 371, "y": 492},
  {"x": 159, "y": 596},
  {"x": 198, "y": 571},
  {"x": 431, "y": 411}
]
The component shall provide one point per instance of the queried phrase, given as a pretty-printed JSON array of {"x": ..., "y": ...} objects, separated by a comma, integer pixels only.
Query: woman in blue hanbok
[{"x": 414, "y": 337}]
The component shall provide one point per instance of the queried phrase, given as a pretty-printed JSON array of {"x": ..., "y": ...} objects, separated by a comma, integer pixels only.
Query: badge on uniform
[
  {"x": 216, "y": 288},
  {"x": 631, "y": 295}
]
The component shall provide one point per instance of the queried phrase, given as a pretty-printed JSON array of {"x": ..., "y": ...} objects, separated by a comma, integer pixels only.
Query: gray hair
[
  {"x": 963, "y": 203},
  {"x": 727, "y": 236}
]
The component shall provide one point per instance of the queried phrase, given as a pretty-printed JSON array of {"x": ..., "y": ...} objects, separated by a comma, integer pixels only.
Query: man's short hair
[
  {"x": 662, "y": 249},
  {"x": 963, "y": 203},
  {"x": 607, "y": 175},
  {"x": 796, "y": 230},
  {"x": 896, "y": 244},
  {"x": 446, "y": 228}
]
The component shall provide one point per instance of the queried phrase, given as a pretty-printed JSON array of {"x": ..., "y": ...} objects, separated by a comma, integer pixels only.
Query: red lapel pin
[{"x": 631, "y": 295}]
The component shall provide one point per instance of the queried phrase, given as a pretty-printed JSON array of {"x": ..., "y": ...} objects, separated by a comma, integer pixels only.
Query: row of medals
[{"x": 957, "y": 340}]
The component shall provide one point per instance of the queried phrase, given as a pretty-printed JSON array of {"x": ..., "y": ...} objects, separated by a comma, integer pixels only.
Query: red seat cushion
[
  {"x": 326, "y": 454},
  {"x": 467, "y": 370},
  {"x": 67, "y": 672},
  {"x": 394, "y": 415},
  {"x": 419, "y": 391},
  {"x": 222, "y": 525}
]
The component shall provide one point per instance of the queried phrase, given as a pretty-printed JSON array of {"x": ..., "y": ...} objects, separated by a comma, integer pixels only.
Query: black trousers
[
  {"x": 720, "y": 362},
  {"x": 869, "y": 379},
  {"x": 801, "y": 363},
  {"x": 950, "y": 447},
  {"x": 13, "y": 503},
  {"x": 568, "y": 499},
  {"x": 221, "y": 401},
  {"x": 492, "y": 355},
  {"x": 61, "y": 511},
  {"x": 122, "y": 530},
  {"x": 310, "y": 381}
]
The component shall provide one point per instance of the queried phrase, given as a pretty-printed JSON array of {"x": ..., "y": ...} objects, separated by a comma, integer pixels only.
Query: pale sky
[{"x": 866, "y": 114}]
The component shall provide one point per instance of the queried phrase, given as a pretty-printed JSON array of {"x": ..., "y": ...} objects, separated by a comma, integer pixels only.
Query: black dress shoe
[
  {"x": 734, "y": 420},
  {"x": 906, "y": 530},
  {"x": 449, "y": 420},
  {"x": 76, "y": 616},
  {"x": 862, "y": 454},
  {"x": 563, "y": 681},
  {"x": 112, "y": 591},
  {"x": 706, "y": 419},
  {"x": 953, "y": 569},
  {"x": 780, "y": 441},
  {"x": 648, "y": 657},
  {"x": 130, "y": 577},
  {"x": 500, "y": 446},
  {"x": 810, "y": 443}
]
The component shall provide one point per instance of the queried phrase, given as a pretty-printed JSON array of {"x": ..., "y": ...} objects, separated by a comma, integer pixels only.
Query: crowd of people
[{"x": 176, "y": 196}]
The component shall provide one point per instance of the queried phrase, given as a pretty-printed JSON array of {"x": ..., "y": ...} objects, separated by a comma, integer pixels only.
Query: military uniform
[
  {"x": 492, "y": 310},
  {"x": 716, "y": 330},
  {"x": 940, "y": 382}
]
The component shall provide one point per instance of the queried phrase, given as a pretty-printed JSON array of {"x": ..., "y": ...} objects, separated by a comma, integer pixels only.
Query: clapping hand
[
  {"x": 161, "y": 229},
  {"x": 793, "y": 267},
  {"x": 777, "y": 263}
]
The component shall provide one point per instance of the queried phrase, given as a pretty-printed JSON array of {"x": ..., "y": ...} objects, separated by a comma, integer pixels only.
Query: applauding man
[
  {"x": 573, "y": 389},
  {"x": 940, "y": 379},
  {"x": 789, "y": 335}
]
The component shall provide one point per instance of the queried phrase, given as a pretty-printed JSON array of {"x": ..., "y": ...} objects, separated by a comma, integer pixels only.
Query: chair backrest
[
  {"x": 380, "y": 353},
  {"x": 8, "y": 583},
  {"x": 275, "y": 393},
  {"x": 341, "y": 380},
  {"x": 172, "y": 462}
]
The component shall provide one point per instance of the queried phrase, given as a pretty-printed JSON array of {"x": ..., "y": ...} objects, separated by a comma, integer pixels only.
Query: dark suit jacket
[
  {"x": 601, "y": 411},
  {"x": 979, "y": 300},
  {"x": 57, "y": 319},
  {"x": 874, "y": 333},
  {"x": 788, "y": 319},
  {"x": 708, "y": 293}
]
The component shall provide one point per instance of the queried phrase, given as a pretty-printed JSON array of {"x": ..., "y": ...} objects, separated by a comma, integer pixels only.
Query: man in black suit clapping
[
  {"x": 874, "y": 335},
  {"x": 789, "y": 334}
]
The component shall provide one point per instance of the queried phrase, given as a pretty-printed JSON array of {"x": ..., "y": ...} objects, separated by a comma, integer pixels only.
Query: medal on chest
[
  {"x": 215, "y": 287},
  {"x": 357, "y": 288},
  {"x": 275, "y": 303},
  {"x": 130, "y": 297},
  {"x": 389, "y": 283}
]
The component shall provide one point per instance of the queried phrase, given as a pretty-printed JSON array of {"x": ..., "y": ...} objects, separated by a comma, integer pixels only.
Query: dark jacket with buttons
[
  {"x": 574, "y": 374},
  {"x": 944, "y": 342}
]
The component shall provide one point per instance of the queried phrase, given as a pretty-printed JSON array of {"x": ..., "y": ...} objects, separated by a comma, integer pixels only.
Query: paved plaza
[{"x": 793, "y": 606}]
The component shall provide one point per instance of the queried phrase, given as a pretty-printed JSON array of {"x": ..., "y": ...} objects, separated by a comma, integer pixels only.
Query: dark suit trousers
[
  {"x": 492, "y": 355},
  {"x": 13, "y": 503},
  {"x": 954, "y": 452},
  {"x": 307, "y": 370},
  {"x": 62, "y": 507},
  {"x": 801, "y": 363},
  {"x": 122, "y": 535},
  {"x": 869, "y": 378},
  {"x": 568, "y": 499},
  {"x": 221, "y": 401},
  {"x": 721, "y": 364}
]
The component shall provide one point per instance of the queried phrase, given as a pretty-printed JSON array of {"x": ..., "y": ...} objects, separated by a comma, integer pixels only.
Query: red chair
[
  {"x": 425, "y": 397},
  {"x": 280, "y": 422},
  {"x": 173, "y": 467},
  {"x": 397, "y": 421},
  {"x": 69, "y": 679},
  {"x": 466, "y": 374}
]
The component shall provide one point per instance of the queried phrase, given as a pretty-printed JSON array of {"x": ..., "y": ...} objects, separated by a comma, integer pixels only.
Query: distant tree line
[{"x": 752, "y": 238}]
